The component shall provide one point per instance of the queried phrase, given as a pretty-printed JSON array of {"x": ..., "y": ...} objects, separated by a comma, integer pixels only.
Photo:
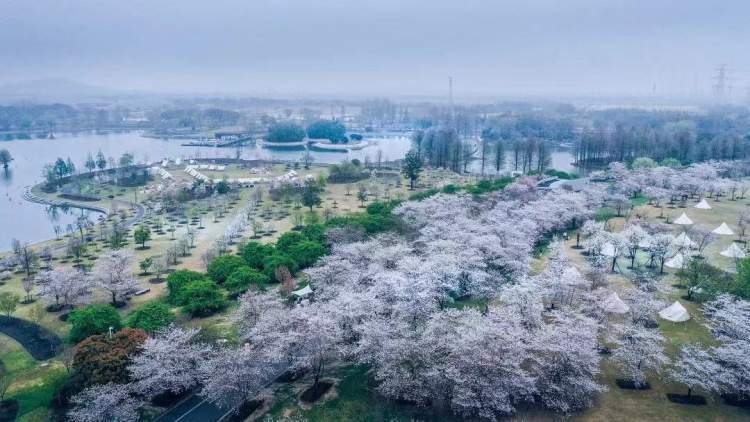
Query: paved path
[{"x": 194, "y": 409}]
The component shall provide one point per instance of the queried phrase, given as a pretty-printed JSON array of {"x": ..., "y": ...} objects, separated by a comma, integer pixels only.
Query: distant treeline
[
  {"x": 194, "y": 119},
  {"x": 623, "y": 135},
  {"x": 40, "y": 118}
]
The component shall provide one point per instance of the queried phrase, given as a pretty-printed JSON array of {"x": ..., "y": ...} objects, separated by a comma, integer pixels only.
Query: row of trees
[
  {"x": 55, "y": 172},
  {"x": 681, "y": 141},
  {"x": 332, "y": 130}
]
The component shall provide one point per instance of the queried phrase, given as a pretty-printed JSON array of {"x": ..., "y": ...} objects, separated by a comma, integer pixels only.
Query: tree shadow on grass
[{"x": 40, "y": 342}]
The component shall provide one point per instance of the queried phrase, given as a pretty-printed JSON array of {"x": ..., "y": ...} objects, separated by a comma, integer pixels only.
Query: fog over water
[{"x": 387, "y": 47}]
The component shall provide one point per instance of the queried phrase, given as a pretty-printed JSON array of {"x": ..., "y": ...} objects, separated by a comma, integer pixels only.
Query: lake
[{"x": 31, "y": 222}]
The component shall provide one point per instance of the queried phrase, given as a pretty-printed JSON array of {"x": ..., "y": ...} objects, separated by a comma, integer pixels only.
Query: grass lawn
[
  {"x": 34, "y": 384},
  {"x": 619, "y": 404},
  {"x": 351, "y": 399}
]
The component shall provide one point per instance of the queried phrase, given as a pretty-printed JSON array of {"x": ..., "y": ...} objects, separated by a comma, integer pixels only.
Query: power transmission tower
[
  {"x": 450, "y": 102},
  {"x": 722, "y": 86}
]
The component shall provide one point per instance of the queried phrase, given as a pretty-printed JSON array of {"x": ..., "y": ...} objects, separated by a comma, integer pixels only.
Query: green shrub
[
  {"x": 151, "y": 317},
  {"x": 91, "y": 320},
  {"x": 346, "y": 172},
  {"x": 742, "y": 286},
  {"x": 451, "y": 189},
  {"x": 314, "y": 232},
  {"x": 703, "y": 281},
  {"x": 221, "y": 267},
  {"x": 244, "y": 277},
  {"x": 271, "y": 263},
  {"x": 254, "y": 253},
  {"x": 176, "y": 283},
  {"x": 287, "y": 240},
  {"x": 307, "y": 252},
  {"x": 561, "y": 174},
  {"x": 285, "y": 132},
  {"x": 327, "y": 129},
  {"x": 203, "y": 298},
  {"x": 423, "y": 195},
  {"x": 383, "y": 208},
  {"x": 486, "y": 186}
]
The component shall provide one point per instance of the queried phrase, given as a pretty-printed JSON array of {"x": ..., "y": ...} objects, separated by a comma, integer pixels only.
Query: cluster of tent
[
  {"x": 211, "y": 167},
  {"x": 161, "y": 172},
  {"x": 677, "y": 261},
  {"x": 192, "y": 170},
  {"x": 674, "y": 312}
]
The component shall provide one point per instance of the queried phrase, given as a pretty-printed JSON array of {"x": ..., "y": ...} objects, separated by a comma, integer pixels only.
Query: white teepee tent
[
  {"x": 684, "y": 241},
  {"x": 723, "y": 230},
  {"x": 733, "y": 251},
  {"x": 676, "y": 261},
  {"x": 675, "y": 313},
  {"x": 703, "y": 205},
  {"x": 614, "y": 305},
  {"x": 683, "y": 220}
]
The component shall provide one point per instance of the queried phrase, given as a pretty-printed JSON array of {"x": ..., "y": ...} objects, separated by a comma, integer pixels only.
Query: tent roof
[
  {"x": 683, "y": 220},
  {"x": 303, "y": 291},
  {"x": 702, "y": 205},
  {"x": 733, "y": 251},
  {"x": 676, "y": 261},
  {"x": 613, "y": 304},
  {"x": 683, "y": 240},
  {"x": 723, "y": 229},
  {"x": 675, "y": 313}
]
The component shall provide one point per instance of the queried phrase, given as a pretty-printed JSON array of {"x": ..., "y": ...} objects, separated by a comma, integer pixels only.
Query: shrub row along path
[{"x": 41, "y": 343}]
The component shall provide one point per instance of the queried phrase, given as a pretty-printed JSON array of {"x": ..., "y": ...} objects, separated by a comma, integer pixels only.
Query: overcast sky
[{"x": 379, "y": 47}]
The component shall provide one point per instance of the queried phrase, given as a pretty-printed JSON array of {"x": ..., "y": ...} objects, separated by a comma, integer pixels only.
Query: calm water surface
[{"x": 29, "y": 222}]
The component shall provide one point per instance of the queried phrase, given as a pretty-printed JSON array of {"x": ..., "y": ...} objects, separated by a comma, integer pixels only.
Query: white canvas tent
[
  {"x": 676, "y": 261},
  {"x": 614, "y": 305},
  {"x": 683, "y": 220},
  {"x": 703, "y": 205},
  {"x": 675, "y": 313},
  {"x": 305, "y": 291},
  {"x": 733, "y": 251},
  {"x": 723, "y": 230},
  {"x": 683, "y": 241}
]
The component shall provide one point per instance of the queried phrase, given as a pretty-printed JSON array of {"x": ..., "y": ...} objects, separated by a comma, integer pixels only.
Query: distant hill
[{"x": 48, "y": 90}]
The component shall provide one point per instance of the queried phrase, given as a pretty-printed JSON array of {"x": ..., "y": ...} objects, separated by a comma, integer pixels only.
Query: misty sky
[{"x": 379, "y": 47}]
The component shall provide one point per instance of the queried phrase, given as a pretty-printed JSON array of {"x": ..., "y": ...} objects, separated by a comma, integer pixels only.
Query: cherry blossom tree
[
  {"x": 566, "y": 363},
  {"x": 483, "y": 368},
  {"x": 168, "y": 361},
  {"x": 113, "y": 272},
  {"x": 64, "y": 287},
  {"x": 643, "y": 306},
  {"x": 660, "y": 247},
  {"x": 105, "y": 402},
  {"x": 728, "y": 318},
  {"x": 639, "y": 353},
  {"x": 634, "y": 237},
  {"x": 697, "y": 369},
  {"x": 702, "y": 238},
  {"x": 230, "y": 376}
]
